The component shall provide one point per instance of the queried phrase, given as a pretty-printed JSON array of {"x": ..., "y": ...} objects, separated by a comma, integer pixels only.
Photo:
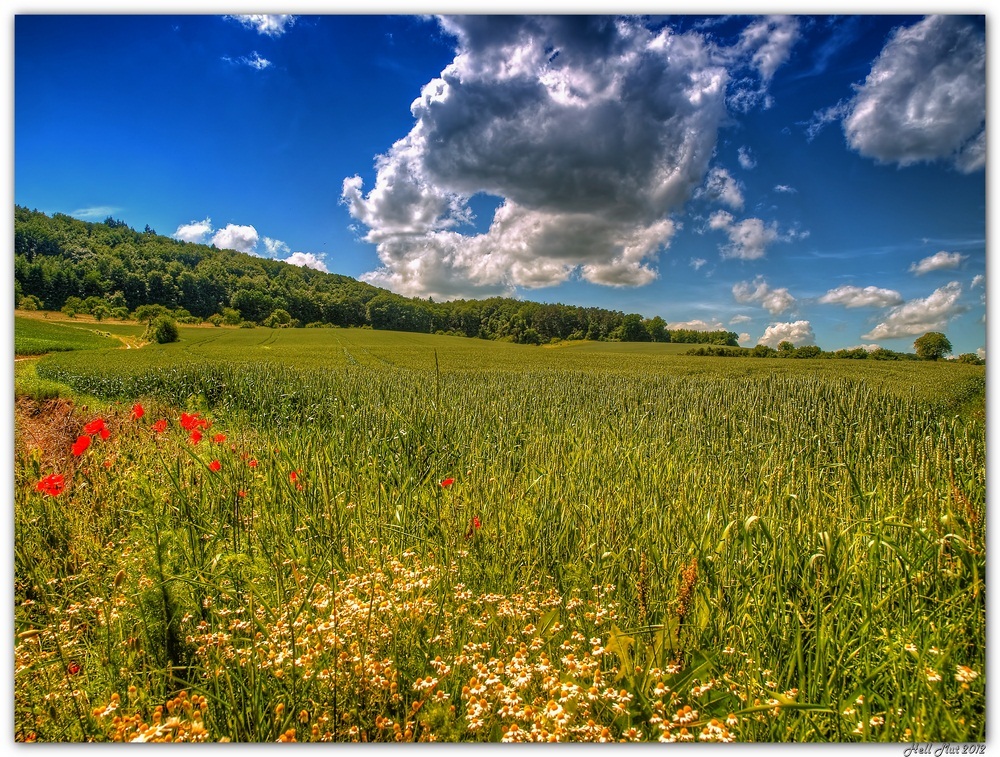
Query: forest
[{"x": 110, "y": 270}]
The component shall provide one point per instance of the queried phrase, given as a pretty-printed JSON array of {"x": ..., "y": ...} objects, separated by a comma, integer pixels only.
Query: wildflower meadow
[{"x": 348, "y": 535}]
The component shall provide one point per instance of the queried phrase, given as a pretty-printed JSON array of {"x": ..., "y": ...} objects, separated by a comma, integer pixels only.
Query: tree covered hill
[{"x": 65, "y": 263}]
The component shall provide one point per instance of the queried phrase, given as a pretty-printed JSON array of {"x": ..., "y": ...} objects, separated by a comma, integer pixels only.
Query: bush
[
  {"x": 162, "y": 330},
  {"x": 248, "y": 325}
]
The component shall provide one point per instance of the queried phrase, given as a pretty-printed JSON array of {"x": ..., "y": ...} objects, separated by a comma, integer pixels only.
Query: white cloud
[
  {"x": 270, "y": 25},
  {"x": 771, "y": 39},
  {"x": 939, "y": 261},
  {"x": 307, "y": 260},
  {"x": 918, "y": 316},
  {"x": 697, "y": 325},
  {"x": 593, "y": 131},
  {"x": 774, "y": 301},
  {"x": 982, "y": 353},
  {"x": 196, "y": 231},
  {"x": 100, "y": 211},
  {"x": 798, "y": 333},
  {"x": 747, "y": 161},
  {"x": 697, "y": 263},
  {"x": 275, "y": 247},
  {"x": 763, "y": 46},
  {"x": 744, "y": 339},
  {"x": 739, "y": 319},
  {"x": 977, "y": 280},
  {"x": 866, "y": 347},
  {"x": 254, "y": 61},
  {"x": 925, "y": 98},
  {"x": 722, "y": 187},
  {"x": 784, "y": 188},
  {"x": 233, "y": 237},
  {"x": 749, "y": 238},
  {"x": 858, "y": 297}
]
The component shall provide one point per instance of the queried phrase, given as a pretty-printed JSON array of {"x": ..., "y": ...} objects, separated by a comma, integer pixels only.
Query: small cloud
[
  {"x": 99, "y": 211},
  {"x": 254, "y": 61},
  {"x": 784, "y": 188},
  {"x": 697, "y": 325},
  {"x": 697, "y": 263},
  {"x": 745, "y": 339},
  {"x": 748, "y": 239},
  {"x": 238, "y": 238},
  {"x": 267, "y": 24},
  {"x": 821, "y": 118},
  {"x": 747, "y": 161},
  {"x": 275, "y": 247},
  {"x": 307, "y": 260},
  {"x": 798, "y": 333},
  {"x": 856, "y": 297},
  {"x": 939, "y": 261},
  {"x": 722, "y": 187},
  {"x": 736, "y": 319},
  {"x": 774, "y": 301},
  {"x": 196, "y": 231},
  {"x": 977, "y": 281},
  {"x": 982, "y": 353}
]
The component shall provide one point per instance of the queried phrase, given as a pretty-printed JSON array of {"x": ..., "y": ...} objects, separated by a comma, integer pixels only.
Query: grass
[
  {"x": 633, "y": 545},
  {"x": 33, "y": 336}
]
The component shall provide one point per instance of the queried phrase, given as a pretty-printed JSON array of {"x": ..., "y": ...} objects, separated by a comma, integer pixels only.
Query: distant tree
[
  {"x": 30, "y": 302},
  {"x": 970, "y": 358},
  {"x": 162, "y": 330},
  {"x": 278, "y": 319},
  {"x": 146, "y": 313},
  {"x": 932, "y": 346},
  {"x": 762, "y": 350},
  {"x": 100, "y": 311},
  {"x": 785, "y": 348}
]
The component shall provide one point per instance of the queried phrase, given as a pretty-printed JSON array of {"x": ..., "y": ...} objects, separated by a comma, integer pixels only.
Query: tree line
[{"x": 110, "y": 270}]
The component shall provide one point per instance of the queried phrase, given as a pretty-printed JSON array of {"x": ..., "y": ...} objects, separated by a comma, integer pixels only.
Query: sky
[{"x": 816, "y": 179}]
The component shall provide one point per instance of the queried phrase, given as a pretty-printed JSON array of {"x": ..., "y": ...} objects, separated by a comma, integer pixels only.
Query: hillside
[{"x": 66, "y": 263}]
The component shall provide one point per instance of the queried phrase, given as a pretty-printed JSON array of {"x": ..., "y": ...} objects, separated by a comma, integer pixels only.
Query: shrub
[{"x": 162, "y": 330}]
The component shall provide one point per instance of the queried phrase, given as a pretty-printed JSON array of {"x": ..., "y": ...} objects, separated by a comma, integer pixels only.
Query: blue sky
[{"x": 813, "y": 178}]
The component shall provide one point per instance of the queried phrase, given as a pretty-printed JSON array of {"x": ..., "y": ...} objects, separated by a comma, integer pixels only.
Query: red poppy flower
[
  {"x": 160, "y": 426},
  {"x": 215, "y": 465},
  {"x": 94, "y": 427},
  {"x": 252, "y": 463},
  {"x": 204, "y": 423},
  {"x": 52, "y": 485},
  {"x": 476, "y": 523},
  {"x": 104, "y": 433},
  {"x": 82, "y": 442},
  {"x": 447, "y": 482},
  {"x": 108, "y": 463},
  {"x": 137, "y": 411},
  {"x": 195, "y": 436},
  {"x": 188, "y": 421},
  {"x": 241, "y": 493},
  {"x": 294, "y": 475},
  {"x": 73, "y": 668},
  {"x": 219, "y": 438}
]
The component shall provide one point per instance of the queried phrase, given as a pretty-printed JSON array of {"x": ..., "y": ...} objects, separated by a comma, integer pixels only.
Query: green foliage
[
  {"x": 970, "y": 358},
  {"x": 29, "y": 302},
  {"x": 162, "y": 330},
  {"x": 932, "y": 346}
]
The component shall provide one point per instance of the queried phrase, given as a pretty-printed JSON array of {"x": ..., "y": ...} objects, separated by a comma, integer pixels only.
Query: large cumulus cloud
[
  {"x": 925, "y": 98},
  {"x": 592, "y": 130}
]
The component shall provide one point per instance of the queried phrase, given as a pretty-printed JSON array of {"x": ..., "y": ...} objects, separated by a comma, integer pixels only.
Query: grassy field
[
  {"x": 34, "y": 336},
  {"x": 388, "y": 537}
]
